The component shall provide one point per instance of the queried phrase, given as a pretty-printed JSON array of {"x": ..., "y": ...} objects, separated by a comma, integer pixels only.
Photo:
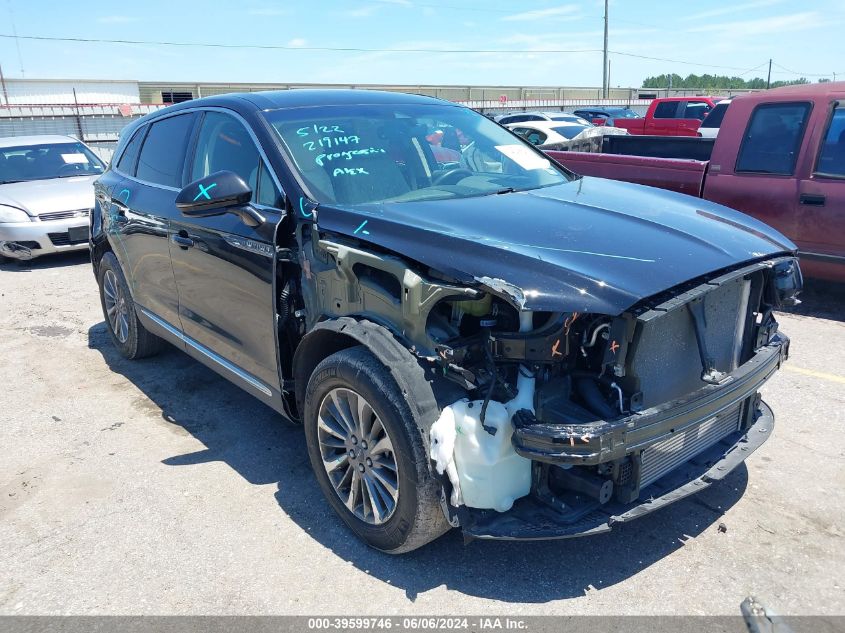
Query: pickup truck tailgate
[{"x": 681, "y": 175}]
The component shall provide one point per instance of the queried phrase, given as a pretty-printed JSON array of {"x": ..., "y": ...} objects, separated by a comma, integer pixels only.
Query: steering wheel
[
  {"x": 450, "y": 173},
  {"x": 68, "y": 169}
]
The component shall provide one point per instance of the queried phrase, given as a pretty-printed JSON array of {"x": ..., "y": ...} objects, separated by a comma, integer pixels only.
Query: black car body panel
[
  {"x": 263, "y": 292},
  {"x": 591, "y": 245}
]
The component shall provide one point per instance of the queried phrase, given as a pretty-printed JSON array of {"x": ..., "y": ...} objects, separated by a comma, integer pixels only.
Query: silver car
[{"x": 46, "y": 194}]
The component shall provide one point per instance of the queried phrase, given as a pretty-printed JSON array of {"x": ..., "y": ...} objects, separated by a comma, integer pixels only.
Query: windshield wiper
[{"x": 505, "y": 190}]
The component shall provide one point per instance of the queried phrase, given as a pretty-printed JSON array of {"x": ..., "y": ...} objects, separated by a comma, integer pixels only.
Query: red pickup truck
[
  {"x": 670, "y": 116},
  {"x": 779, "y": 156}
]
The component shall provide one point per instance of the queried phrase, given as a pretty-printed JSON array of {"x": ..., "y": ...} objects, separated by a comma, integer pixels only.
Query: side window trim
[
  {"x": 832, "y": 108},
  {"x": 149, "y": 126},
  {"x": 799, "y": 140},
  {"x": 141, "y": 133},
  {"x": 263, "y": 162}
]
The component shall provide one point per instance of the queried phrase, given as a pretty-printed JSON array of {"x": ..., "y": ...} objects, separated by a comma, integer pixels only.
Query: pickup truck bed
[
  {"x": 779, "y": 157},
  {"x": 683, "y": 176}
]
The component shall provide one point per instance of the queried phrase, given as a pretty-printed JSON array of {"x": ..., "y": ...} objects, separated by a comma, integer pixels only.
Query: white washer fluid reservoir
[{"x": 490, "y": 472}]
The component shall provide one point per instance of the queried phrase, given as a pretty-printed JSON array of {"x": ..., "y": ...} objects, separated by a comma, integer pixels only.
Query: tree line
[{"x": 716, "y": 82}]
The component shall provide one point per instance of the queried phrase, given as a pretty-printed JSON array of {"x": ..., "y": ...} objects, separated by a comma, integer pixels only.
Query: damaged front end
[{"x": 575, "y": 421}]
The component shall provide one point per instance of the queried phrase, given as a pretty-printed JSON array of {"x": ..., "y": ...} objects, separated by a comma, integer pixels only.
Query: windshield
[
  {"x": 624, "y": 114},
  {"x": 570, "y": 131},
  {"x": 50, "y": 160},
  {"x": 399, "y": 153}
]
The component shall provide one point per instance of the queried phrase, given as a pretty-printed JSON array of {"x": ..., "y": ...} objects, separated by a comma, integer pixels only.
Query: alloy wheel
[
  {"x": 117, "y": 310},
  {"x": 358, "y": 455}
]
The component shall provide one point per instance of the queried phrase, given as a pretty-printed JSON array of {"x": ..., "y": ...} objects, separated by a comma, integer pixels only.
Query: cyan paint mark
[
  {"x": 127, "y": 192},
  {"x": 204, "y": 191},
  {"x": 363, "y": 224},
  {"x": 305, "y": 214}
]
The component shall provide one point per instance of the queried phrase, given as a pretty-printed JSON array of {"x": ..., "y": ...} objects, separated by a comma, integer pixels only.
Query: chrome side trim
[
  {"x": 822, "y": 257},
  {"x": 202, "y": 349},
  {"x": 253, "y": 246}
]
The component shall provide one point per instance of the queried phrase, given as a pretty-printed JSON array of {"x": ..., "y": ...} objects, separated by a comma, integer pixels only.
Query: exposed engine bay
[{"x": 568, "y": 410}]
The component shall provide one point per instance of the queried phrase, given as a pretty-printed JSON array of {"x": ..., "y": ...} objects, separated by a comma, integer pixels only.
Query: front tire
[
  {"x": 368, "y": 454},
  {"x": 128, "y": 334}
]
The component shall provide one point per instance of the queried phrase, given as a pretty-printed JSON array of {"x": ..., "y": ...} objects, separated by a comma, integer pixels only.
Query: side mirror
[
  {"x": 213, "y": 194},
  {"x": 216, "y": 194}
]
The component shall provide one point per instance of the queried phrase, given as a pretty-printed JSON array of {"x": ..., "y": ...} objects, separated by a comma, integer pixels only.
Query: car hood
[
  {"x": 46, "y": 196},
  {"x": 590, "y": 245}
]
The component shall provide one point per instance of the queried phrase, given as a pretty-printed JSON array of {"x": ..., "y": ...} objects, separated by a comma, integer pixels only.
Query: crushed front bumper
[
  {"x": 26, "y": 240},
  {"x": 531, "y": 519},
  {"x": 676, "y": 449},
  {"x": 592, "y": 444}
]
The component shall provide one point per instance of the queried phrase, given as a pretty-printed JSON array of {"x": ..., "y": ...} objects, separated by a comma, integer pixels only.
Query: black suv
[{"x": 469, "y": 334}]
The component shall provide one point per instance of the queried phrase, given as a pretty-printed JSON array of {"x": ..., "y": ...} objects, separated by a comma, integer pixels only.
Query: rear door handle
[
  {"x": 182, "y": 240},
  {"x": 812, "y": 199}
]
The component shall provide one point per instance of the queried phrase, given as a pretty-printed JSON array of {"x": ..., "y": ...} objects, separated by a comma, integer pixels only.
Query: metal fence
[{"x": 97, "y": 125}]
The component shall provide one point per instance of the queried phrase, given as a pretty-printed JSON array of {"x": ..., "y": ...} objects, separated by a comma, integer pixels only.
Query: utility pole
[
  {"x": 604, "y": 85},
  {"x": 769, "y": 77},
  {"x": 6, "y": 92}
]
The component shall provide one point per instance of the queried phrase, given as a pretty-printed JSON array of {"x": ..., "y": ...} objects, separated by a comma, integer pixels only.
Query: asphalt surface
[{"x": 156, "y": 487}]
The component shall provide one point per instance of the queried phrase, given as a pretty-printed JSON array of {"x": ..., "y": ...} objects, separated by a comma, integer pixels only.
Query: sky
[{"x": 490, "y": 42}]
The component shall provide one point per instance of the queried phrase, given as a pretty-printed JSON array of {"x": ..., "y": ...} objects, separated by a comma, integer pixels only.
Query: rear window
[
  {"x": 129, "y": 158},
  {"x": 772, "y": 140},
  {"x": 570, "y": 131},
  {"x": 714, "y": 119},
  {"x": 696, "y": 110},
  {"x": 163, "y": 154},
  {"x": 624, "y": 113}
]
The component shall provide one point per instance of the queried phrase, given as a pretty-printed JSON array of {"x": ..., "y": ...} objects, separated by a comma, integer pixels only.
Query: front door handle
[
  {"x": 182, "y": 240},
  {"x": 812, "y": 199}
]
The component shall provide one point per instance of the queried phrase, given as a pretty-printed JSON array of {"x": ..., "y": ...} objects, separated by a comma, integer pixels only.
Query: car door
[
  {"x": 142, "y": 206},
  {"x": 821, "y": 193},
  {"x": 763, "y": 181},
  {"x": 664, "y": 121},
  {"x": 224, "y": 268},
  {"x": 690, "y": 115}
]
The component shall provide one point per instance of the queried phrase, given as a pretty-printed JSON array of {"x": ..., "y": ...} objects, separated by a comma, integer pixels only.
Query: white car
[
  {"x": 554, "y": 132},
  {"x": 709, "y": 127},
  {"x": 522, "y": 117},
  {"x": 46, "y": 194}
]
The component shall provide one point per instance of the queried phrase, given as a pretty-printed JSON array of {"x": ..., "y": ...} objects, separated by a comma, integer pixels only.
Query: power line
[
  {"x": 355, "y": 49},
  {"x": 795, "y": 72},
  {"x": 678, "y": 61},
  {"x": 341, "y": 49}
]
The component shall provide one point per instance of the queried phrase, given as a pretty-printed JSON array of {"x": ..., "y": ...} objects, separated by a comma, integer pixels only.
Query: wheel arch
[
  {"x": 411, "y": 375},
  {"x": 99, "y": 247}
]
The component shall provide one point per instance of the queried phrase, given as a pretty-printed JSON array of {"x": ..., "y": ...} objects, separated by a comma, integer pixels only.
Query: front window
[
  {"x": 50, "y": 160},
  {"x": 772, "y": 139},
  {"x": 361, "y": 154},
  {"x": 832, "y": 153}
]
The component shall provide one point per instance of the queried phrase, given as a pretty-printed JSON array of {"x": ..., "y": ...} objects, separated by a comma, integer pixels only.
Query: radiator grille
[
  {"x": 64, "y": 215},
  {"x": 662, "y": 457},
  {"x": 63, "y": 239}
]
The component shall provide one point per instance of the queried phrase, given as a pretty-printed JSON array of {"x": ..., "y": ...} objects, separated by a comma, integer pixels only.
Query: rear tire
[
  {"x": 353, "y": 411},
  {"x": 128, "y": 335}
]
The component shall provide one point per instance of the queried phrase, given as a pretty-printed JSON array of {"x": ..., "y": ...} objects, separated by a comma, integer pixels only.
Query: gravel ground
[{"x": 156, "y": 487}]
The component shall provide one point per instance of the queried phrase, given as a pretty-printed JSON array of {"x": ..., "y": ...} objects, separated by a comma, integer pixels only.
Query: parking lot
[{"x": 158, "y": 487}]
